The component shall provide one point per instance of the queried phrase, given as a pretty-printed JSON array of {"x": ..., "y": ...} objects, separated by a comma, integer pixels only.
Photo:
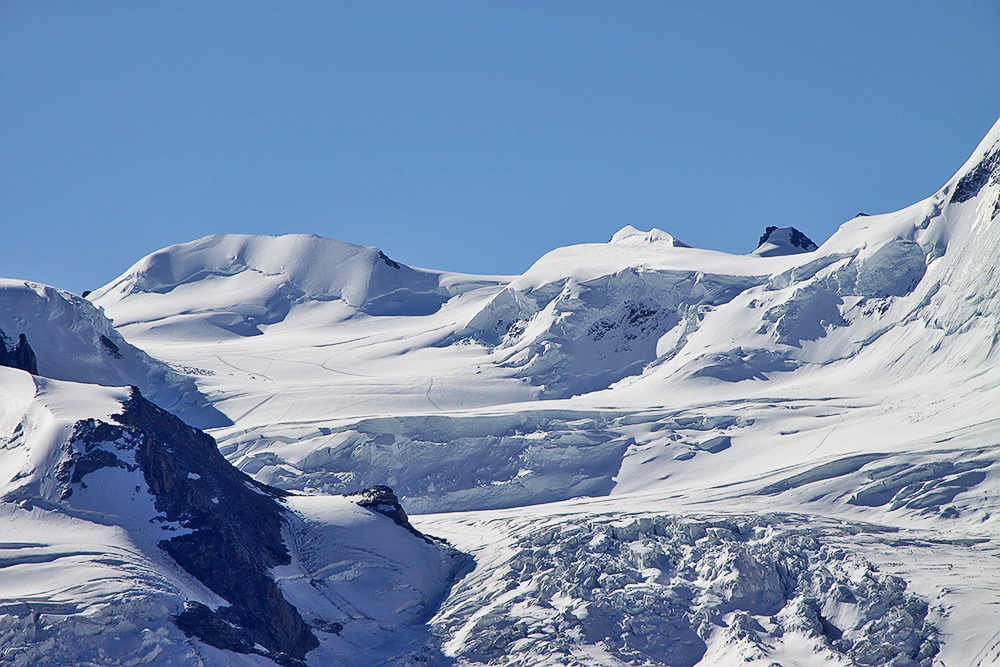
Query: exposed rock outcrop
[
  {"x": 21, "y": 356},
  {"x": 235, "y": 526},
  {"x": 783, "y": 241},
  {"x": 380, "y": 498}
]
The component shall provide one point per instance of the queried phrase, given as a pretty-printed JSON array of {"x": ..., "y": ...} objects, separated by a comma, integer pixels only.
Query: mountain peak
[{"x": 776, "y": 241}]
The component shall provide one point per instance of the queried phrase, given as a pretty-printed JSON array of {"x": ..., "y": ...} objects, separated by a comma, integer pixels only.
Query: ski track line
[
  {"x": 825, "y": 437},
  {"x": 431, "y": 400}
]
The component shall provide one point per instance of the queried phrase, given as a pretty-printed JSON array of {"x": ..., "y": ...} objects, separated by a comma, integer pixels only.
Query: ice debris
[{"x": 659, "y": 590}]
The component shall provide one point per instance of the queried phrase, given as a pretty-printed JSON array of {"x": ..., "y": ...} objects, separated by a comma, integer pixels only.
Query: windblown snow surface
[{"x": 650, "y": 454}]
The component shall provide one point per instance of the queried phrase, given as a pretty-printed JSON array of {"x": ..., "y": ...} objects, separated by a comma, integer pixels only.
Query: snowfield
[{"x": 638, "y": 452}]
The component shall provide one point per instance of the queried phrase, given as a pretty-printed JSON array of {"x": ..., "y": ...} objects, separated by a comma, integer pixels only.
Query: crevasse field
[{"x": 635, "y": 453}]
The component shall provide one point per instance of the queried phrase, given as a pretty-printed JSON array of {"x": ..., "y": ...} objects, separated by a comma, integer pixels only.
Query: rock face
[
  {"x": 235, "y": 526},
  {"x": 987, "y": 169},
  {"x": 21, "y": 357}
]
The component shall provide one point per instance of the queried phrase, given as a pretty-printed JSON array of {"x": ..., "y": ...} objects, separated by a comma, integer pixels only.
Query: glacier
[{"x": 634, "y": 453}]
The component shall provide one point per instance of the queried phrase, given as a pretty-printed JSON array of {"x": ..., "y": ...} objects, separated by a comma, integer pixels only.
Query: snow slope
[
  {"x": 656, "y": 454},
  {"x": 74, "y": 341},
  {"x": 632, "y": 343}
]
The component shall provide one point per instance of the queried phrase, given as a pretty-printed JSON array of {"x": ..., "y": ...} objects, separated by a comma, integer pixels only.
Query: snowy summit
[{"x": 629, "y": 235}]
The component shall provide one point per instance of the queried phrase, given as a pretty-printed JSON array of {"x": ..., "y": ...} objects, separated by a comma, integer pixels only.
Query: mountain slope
[
  {"x": 888, "y": 300},
  {"x": 72, "y": 340},
  {"x": 127, "y": 536},
  {"x": 235, "y": 284}
]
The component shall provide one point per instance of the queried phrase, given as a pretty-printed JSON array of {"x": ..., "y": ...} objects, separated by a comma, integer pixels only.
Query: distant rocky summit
[{"x": 777, "y": 241}]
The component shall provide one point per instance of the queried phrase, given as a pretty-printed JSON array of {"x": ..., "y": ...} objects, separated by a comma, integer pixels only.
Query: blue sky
[{"x": 472, "y": 136}]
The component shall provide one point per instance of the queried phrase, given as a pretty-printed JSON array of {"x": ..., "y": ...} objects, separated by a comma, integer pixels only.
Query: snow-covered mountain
[
  {"x": 654, "y": 454},
  {"x": 236, "y": 284},
  {"x": 127, "y": 537}
]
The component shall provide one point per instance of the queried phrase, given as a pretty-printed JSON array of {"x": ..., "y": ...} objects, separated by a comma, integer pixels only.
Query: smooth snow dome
[{"x": 238, "y": 283}]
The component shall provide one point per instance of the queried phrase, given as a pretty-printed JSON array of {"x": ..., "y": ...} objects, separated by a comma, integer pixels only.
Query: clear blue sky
[{"x": 472, "y": 136}]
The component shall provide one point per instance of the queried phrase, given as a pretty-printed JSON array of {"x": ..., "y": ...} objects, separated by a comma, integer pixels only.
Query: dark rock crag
[
  {"x": 796, "y": 238},
  {"x": 976, "y": 178},
  {"x": 236, "y": 526},
  {"x": 383, "y": 500},
  {"x": 21, "y": 356},
  {"x": 110, "y": 347},
  {"x": 392, "y": 264}
]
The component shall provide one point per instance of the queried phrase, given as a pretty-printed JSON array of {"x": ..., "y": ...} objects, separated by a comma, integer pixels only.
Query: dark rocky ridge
[
  {"x": 110, "y": 347},
  {"x": 392, "y": 264},
  {"x": 21, "y": 356},
  {"x": 91, "y": 434},
  {"x": 236, "y": 522},
  {"x": 976, "y": 178}
]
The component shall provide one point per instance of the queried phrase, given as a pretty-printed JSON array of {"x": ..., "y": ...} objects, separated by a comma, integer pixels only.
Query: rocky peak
[
  {"x": 21, "y": 356},
  {"x": 235, "y": 526},
  {"x": 776, "y": 241}
]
